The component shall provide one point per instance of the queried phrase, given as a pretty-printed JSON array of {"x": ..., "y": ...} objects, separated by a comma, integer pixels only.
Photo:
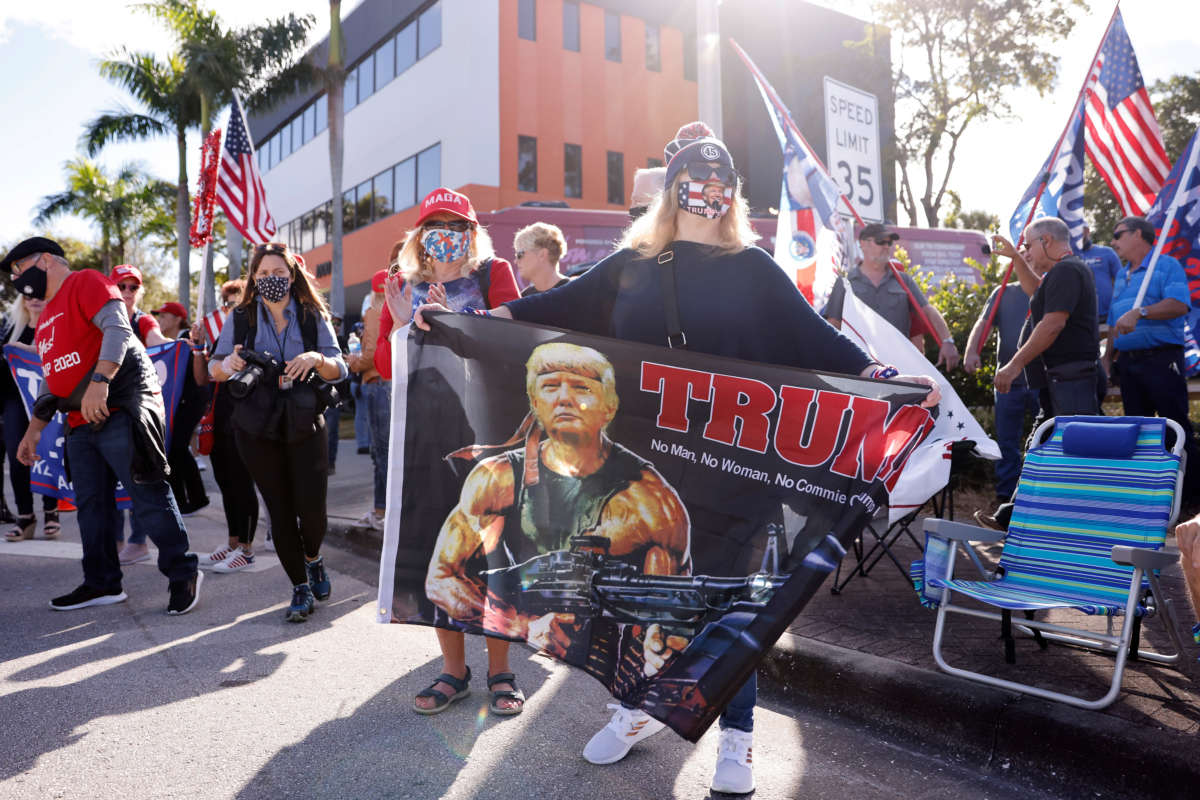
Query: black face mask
[{"x": 31, "y": 283}]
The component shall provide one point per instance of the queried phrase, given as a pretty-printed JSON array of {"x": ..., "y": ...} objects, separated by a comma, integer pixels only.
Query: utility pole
[{"x": 708, "y": 63}]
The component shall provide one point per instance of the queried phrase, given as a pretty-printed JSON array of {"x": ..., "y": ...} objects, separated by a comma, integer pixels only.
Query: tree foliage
[
  {"x": 960, "y": 61},
  {"x": 977, "y": 220}
]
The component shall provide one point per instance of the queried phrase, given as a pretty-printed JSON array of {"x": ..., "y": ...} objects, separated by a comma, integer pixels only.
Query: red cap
[
  {"x": 443, "y": 199},
  {"x": 123, "y": 271},
  {"x": 377, "y": 280},
  {"x": 172, "y": 308}
]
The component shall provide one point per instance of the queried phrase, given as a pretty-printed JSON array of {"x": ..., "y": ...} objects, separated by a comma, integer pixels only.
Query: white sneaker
[
  {"x": 216, "y": 557},
  {"x": 734, "y": 773},
  {"x": 237, "y": 561},
  {"x": 627, "y": 727},
  {"x": 370, "y": 520}
]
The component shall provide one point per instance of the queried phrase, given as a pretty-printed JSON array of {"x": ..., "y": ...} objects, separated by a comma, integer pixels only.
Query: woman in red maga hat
[{"x": 448, "y": 258}]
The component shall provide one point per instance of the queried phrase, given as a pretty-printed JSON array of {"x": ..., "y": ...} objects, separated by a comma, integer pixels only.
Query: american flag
[
  {"x": 1120, "y": 131},
  {"x": 239, "y": 186}
]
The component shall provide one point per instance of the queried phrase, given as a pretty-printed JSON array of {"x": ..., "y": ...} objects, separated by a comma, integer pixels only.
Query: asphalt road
[{"x": 232, "y": 702}]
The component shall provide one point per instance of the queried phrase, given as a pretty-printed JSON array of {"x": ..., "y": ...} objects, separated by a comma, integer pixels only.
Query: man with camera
[{"x": 96, "y": 370}]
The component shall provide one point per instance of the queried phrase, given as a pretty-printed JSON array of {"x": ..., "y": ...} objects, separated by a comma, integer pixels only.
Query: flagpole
[{"x": 987, "y": 324}]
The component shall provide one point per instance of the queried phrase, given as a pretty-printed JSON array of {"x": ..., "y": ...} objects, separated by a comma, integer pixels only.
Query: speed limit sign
[{"x": 852, "y": 142}]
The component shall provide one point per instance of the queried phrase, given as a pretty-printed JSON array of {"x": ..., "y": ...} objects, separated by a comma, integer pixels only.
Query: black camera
[{"x": 260, "y": 366}]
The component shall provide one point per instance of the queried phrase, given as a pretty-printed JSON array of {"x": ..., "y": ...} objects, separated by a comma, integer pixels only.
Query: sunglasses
[
  {"x": 459, "y": 225},
  {"x": 1120, "y": 233},
  {"x": 703, "y": 171},
  {"x": 885, "y": 242},
  {"x": 127, "y": 287}
]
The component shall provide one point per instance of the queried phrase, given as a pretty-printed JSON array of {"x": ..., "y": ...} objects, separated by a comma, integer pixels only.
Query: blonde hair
[
  {"x": 541, "y": 234},
  {"x": 566, "y": 357},
  {"x": 417, "y": 267},
  {"x": 18, "y": 316},
  {"x": 650, "y": 233}
]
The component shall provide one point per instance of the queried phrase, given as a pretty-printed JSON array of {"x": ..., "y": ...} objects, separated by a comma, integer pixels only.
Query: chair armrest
[
  {"x": 1143, "y": 557},
  {"x": 961, "y": 532}
]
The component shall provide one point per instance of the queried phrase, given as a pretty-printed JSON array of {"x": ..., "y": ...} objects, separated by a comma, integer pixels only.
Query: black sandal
[
  {"x": 441, "y": 701},
  {"x": 505, "y": 694},
  {"x": 50, "y": 525},
  {"x": 26, "y": 525}
]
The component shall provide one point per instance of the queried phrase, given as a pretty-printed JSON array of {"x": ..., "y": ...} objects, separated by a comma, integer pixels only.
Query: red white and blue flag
[
  {"x": 239, "y": 186},
  {"x": 1121, "y": 133},
  {"x": 811, "y": 241}
]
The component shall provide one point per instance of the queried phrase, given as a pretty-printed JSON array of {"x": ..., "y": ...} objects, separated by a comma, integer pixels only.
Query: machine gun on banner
[{"x": 587, "y": 582}]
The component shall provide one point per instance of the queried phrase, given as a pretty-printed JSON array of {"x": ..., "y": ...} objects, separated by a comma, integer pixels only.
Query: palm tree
[
  {"x": 123, "y": 206},
  {"x": 170, "y": 107},
  {"x": 259, "y": 62}
]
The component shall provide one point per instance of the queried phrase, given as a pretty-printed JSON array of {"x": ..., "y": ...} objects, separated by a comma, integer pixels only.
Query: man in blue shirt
[
  {"x": 1104, "y": 265},
  {"x": 1148, "y": 340}
]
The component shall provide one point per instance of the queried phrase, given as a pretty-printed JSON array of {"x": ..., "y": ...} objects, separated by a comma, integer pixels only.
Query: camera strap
[
  {"x": 244, "y": 325},
  {"x": 676, "y": 338}
]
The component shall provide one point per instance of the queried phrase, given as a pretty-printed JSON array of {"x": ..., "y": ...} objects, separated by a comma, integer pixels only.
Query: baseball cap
[
  {"x": 706, "y": 149},
  {"x": 123, "y": 271},
  {"x": 377, "y": 280},
  {"x": 443, "y": 199},
  {"x": 877, "y": 230},
  {"x": 172, "y": 308},
  {"x": 32, "y": 245}
]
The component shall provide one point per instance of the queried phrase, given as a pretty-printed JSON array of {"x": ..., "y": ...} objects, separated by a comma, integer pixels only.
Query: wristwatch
[
  {"x": 1143, "y": 312},
  {"x": 98, "y": 378}
]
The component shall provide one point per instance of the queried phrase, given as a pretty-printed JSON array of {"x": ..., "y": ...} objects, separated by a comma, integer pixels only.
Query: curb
[{"x": 1002, "y": 733}]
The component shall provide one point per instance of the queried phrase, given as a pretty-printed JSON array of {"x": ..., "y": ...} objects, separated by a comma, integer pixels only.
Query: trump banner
[
  {"x": 620, "y": 505},
  {"x": 48, "y": 474}
]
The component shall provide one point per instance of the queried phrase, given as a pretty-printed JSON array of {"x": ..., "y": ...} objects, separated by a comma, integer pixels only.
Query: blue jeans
[
  {"x": 362, "y": 425},
  {"x": 1011, "y": 407},
  {"x": 378, "y": 397},
  {"x": 97, "y": 460}
]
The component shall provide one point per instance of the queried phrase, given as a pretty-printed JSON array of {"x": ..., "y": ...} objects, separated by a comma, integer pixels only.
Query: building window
[
  {"x": 653, "y": 51},
  {"x": 653, "y": 163},
  {"x": 527, "y": 163},
  {"x": 285, "y": 142},
  {"x": 572, "y": 170},
  {"x": 306, "y": 231},
  {"x": 350, "y": 92},
  {"x": 297, "y": 127},
  {"x": 322, "y": 105},
  {"x": 406, "y": 48},
  {"x": 385, "y": 64},
  {"x": 612, "y": 36},
  {"x": 429, "y": 170},
  {"x": 310, "y": 122},
  {"x": 366, "y": 204},
  {"x": 366, "y": 78},
  {"x": 430, "y": 33},
  {"x": 406, "y": 184},
  {"x": 571, "y": 26},
  {"x": 262, "y": 159},
  {"x": 616, "y": 178},
  {"x": 689, "y": 56},
  {"x": 275, "y": 141},
  {"x": 348, "y": 202},
  {"x": 527, "y": 19},
  {"x": 323, "y": 224},
  {"x": 381, "y": 186}
]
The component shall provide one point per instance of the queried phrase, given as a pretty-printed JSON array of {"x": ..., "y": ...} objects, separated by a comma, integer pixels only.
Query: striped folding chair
[{"x": 1096, "y": 498}]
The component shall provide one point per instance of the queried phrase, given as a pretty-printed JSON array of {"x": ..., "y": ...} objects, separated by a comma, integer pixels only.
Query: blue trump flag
[
  {"x": 1062, "y": 196},
  {"x": 48, "y": 475}
]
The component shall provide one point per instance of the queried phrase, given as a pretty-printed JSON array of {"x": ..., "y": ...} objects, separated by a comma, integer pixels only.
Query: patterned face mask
[
  {"x": 446, "y": 245},
  {"x": 273, "y": 288},
  {"x": 710, "y": 205}
]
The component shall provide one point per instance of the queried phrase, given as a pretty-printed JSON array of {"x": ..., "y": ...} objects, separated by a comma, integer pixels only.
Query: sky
[{"x": 50, "y": 86}]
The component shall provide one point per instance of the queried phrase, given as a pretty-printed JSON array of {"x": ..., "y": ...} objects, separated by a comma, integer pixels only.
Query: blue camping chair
[{"x": 1096, "y": 498}]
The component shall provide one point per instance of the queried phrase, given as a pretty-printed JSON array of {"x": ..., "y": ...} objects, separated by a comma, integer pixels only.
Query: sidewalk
[{"x": 866, "y": 654}]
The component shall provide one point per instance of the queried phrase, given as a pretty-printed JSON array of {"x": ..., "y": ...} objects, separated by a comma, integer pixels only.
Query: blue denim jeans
[
  {"x": 97, "y": 460},
  {"x": 1011, "y": 407},
  {"x": 378, "y": 397},
  {"x": 332, "y": 417},
  {"x": 362, "y": 426}
]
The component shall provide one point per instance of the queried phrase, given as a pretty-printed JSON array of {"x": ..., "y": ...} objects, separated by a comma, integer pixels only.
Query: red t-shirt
[
  {"x": 66, "y": 339},
  {"x": 146, "y": 323},
  {"x": 502, "y": 287}
]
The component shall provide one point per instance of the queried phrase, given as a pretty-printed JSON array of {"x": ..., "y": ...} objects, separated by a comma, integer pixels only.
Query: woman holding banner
[
  {"x": 17, "y": 329},
  {"x": 448, "y": 258},
  {"x": 687, "y": 275}
]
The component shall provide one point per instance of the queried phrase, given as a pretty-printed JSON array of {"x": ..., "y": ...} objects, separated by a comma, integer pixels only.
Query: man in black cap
[
  {"x": 891, "y": 293},
  {"x": 97, "y": 372}
]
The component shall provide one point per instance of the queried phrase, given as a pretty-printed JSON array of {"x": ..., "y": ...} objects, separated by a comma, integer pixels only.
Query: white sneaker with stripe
[{"x": 627, "y": 727}]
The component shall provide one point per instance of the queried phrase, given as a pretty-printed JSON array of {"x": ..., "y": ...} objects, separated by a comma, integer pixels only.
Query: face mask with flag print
[
  {"x": 705, "y": 199},
  {"x": 446, "y": 245}
]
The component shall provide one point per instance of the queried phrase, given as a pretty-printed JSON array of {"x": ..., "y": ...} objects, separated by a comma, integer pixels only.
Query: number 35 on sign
[{"x": 852, "y": 140}]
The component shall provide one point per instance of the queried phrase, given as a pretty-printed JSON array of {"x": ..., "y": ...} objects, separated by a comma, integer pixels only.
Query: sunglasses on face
[
  {"x": 127, "y": 287},
  {"x": 885, "y": 242},
  {"x": 703, "y": 171},
  {"x": 1120, "y": 233},
  {"x": 459, "y": 225}
]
